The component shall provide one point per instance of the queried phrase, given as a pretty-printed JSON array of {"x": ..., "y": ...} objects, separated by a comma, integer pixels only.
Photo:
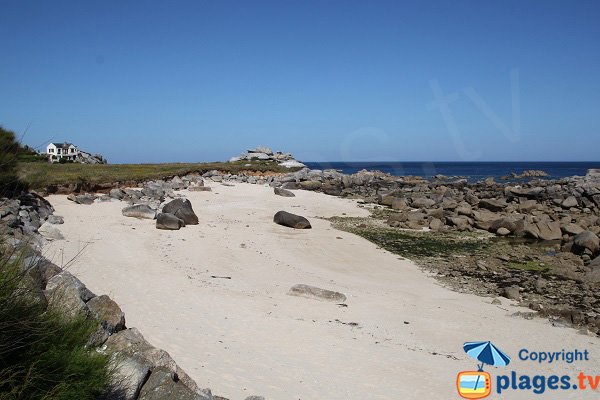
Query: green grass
[
  {"x": 532, "y": 266},
  {"x": 42, "y": 175},
  {"x": 43, "y": 355}
]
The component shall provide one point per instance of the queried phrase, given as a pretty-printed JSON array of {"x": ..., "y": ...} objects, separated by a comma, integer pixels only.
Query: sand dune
[{"x": 245, "y": 335}]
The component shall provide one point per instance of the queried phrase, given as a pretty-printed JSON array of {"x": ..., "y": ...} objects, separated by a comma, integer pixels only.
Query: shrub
[
  {"x": 42, "y": 354},
  {"x": 9, "y": 150}
]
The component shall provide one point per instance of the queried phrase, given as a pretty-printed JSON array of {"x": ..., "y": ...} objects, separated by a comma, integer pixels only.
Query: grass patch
[
  {"x": 532, "y": 266},
  {"x": 42, "y": 175},
  {"x": 411, "y": 244},
  {"x": 42, "y": 355}
]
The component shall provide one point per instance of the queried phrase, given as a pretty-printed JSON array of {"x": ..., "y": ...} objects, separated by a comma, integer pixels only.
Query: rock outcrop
[{"x": 263, "y": 153}]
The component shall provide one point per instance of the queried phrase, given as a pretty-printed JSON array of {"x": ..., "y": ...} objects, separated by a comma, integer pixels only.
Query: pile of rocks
[
  {"x": 21, "y": 217},
  {"x": 263, "y": 153},
  {"x": 88, "y": 158},
  {"x": 176, "y": 214}
]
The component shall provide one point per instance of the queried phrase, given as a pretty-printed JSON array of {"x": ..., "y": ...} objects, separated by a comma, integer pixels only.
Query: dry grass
[{"x": 42, "y": 175}]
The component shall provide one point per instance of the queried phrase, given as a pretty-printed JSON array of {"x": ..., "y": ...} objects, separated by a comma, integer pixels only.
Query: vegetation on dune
[
  {"x": 42, "y": 175},
  {"x": 42, "y": 355}
]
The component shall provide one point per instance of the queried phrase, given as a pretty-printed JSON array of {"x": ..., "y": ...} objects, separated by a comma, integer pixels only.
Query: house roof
[{"x": 65, "y": 145}]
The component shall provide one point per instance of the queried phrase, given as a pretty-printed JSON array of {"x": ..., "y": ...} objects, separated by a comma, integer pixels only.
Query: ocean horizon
[{"x": 472, "y": 171}]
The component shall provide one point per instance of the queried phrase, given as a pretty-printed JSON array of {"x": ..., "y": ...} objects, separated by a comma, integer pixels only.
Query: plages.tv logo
[{"x": 478, "y": 384}]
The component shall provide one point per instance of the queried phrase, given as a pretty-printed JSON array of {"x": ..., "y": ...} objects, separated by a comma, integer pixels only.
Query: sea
[{"x": 473, "y": 171}]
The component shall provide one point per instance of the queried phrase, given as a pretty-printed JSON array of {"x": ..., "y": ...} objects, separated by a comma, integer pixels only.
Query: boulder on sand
[
  {"x": 139, "y": 211},
  {"x": 182, "y": 209},
  {"x": 314, "y": 292},
  {"x": 283, "y": 192},
  {"x": 291, "y": 220},
  {"x": 168, "y": 222}
]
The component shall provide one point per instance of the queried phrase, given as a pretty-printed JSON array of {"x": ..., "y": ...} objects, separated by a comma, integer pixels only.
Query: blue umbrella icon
[{"x": 487, "y": 353}]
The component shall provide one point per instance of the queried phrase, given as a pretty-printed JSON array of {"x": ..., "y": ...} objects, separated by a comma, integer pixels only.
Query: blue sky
[{"x": 327, "y": 80}]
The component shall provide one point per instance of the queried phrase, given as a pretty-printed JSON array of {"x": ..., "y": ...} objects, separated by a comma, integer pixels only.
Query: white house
[{"x": 57, "y": 151}]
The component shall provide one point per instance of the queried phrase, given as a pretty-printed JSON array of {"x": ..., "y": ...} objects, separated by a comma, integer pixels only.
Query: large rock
[
  {"x": 464, "y": 208},
  {"x": 461, "y": 223},
  {"x": 283, "y": 192},
  {"x": 572, "y": 229},
  {"x": 290, "y": 186},
  {"x": 509, "y": 223},
  {"x": 130, "y": 344},
  {"x": 526, "y": 206},
  {"x": 200, "y": 189},
  {"x": 310, "y": 185},
  {"x": 117, "y": 193},
  {"x": 436, "y": 224},
  {"x": 291, "y": 220},
  {"x": 548, "y": 230},
  {"x": 492, "y": 204},
  {"x": 55, "y": 220},
  {"x": 163, "y": 384},
  {"x": 182, "y": 209},
  {"x": 129, "y": 373},
  {"x": 86, "y": 199},
  {"x": 531, "y": 193},
  {"x": 502, "y": 231},
  {"x": 68, "y": 295},
  {"x": 108, "y": 313},
  {"x": 141, "y": 211},
  {"x": 422, "y": 202},
  {"x": 50, "y": 232},
  {"x": 154, "y": 190},
  {"x": 586, "y": 240},
  {"x": 569, "y": 202},
  {"x": 168, "y": 222},
  {"x": 314, "y": 292},
  {"x": 399, "y": 203},
  {"x": 292, "y": 164}
]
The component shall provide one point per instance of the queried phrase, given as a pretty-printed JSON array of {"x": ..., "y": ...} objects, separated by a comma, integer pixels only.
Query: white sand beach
[{"x": 245, "y": 336}]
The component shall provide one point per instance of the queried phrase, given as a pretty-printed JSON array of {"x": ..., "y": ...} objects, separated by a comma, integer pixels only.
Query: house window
[
  {"x": 51, "y": 151},
  {"x": 58, "y": 151}
]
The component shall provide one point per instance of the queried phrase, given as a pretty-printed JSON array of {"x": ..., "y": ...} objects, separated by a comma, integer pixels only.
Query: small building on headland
[
  {"x": 58, "y": 151},
  {"x": 68, "y": 152}
]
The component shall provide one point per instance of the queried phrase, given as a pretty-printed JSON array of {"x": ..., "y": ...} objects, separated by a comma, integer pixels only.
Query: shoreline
[{"x": 127, "y": 259}]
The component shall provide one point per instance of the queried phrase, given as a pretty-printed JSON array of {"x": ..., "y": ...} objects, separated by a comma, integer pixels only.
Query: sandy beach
[{"x": 400, "y": 336}]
